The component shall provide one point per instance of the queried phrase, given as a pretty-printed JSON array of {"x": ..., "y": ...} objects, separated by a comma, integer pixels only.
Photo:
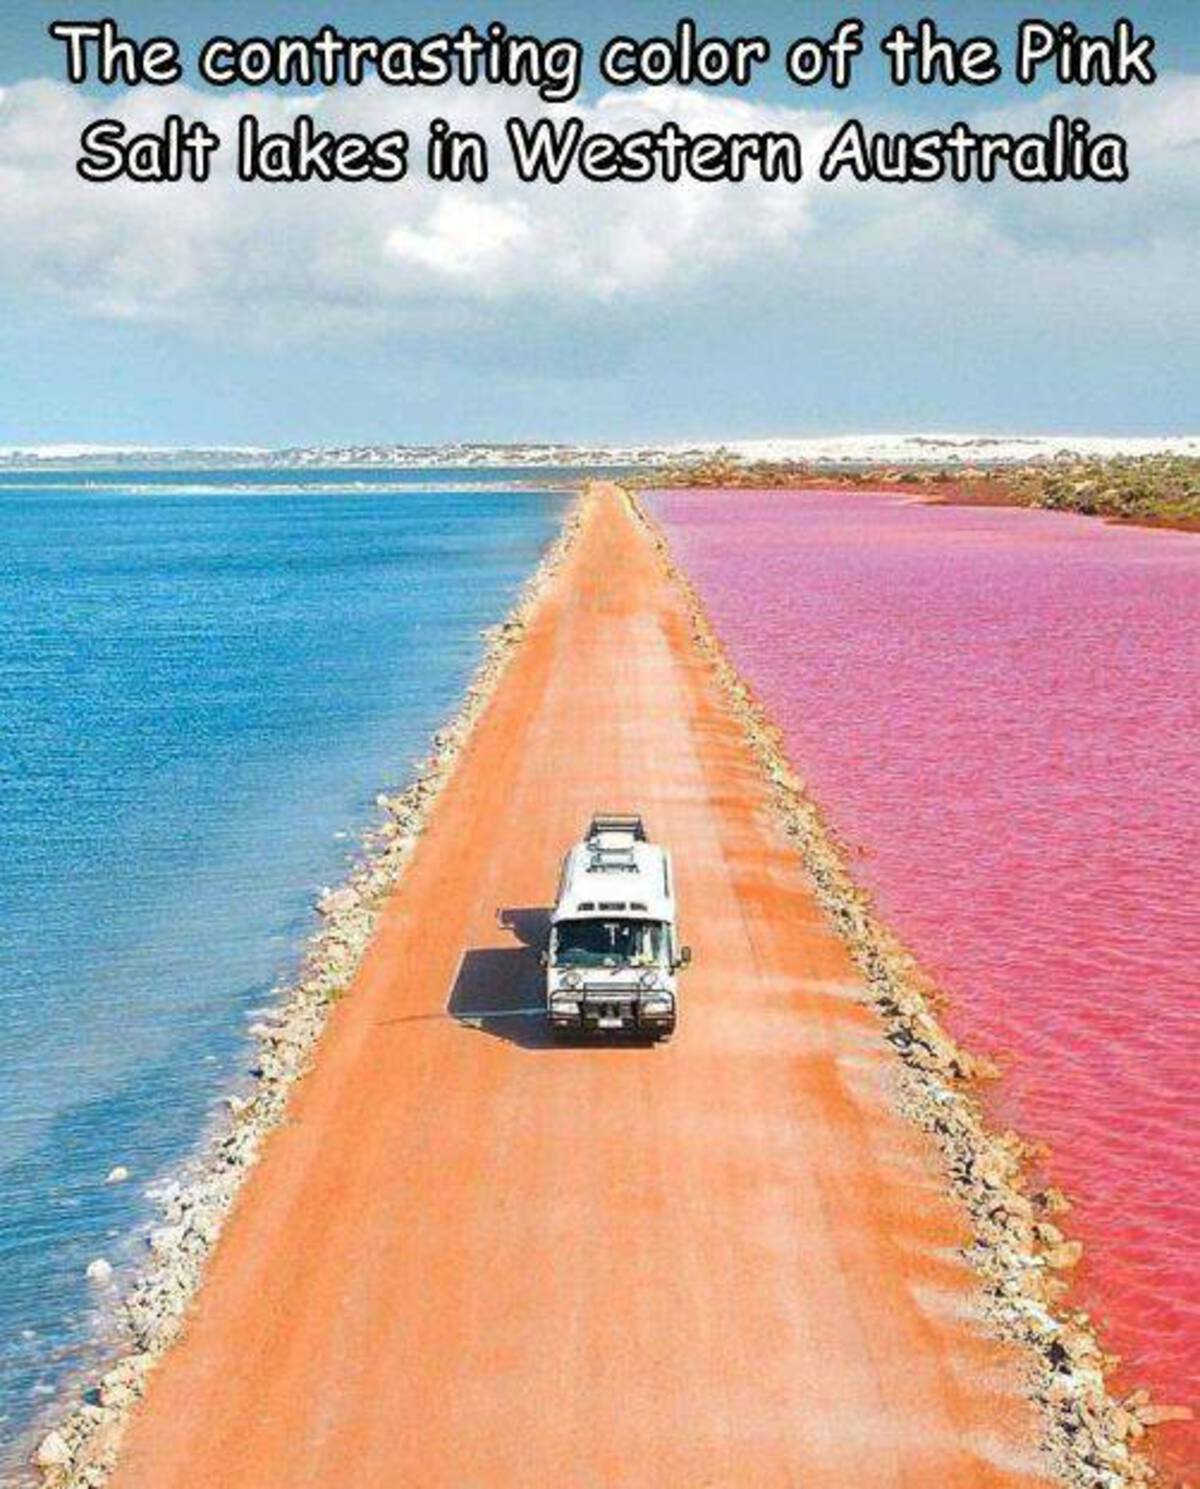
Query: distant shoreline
[
  {"x": 831, "y": 453},
  {"x": 1148, "y": 482},
  {"x": 1160, "y": 491}
]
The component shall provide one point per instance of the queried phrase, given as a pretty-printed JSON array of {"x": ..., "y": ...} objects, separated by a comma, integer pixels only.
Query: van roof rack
[
  {"x": 611, "y": 842},
  {"x": 627, "y": 824}
]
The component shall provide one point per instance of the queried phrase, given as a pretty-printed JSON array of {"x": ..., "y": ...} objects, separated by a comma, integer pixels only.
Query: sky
[{"x": 226, "y": 313}]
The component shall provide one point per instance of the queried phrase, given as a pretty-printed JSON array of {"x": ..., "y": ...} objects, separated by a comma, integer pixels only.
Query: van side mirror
[
  {"x": 685, "y": 956},
  {"x": 543, "y": 958}
]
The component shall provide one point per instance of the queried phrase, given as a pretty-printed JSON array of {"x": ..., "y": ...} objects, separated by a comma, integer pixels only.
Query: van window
[{"x": 610, "y": 943}]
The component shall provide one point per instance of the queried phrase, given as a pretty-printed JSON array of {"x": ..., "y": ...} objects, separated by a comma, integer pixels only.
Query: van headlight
[
  {"x": 648, "y": 980},
  {"x": 571, "y": 980}
]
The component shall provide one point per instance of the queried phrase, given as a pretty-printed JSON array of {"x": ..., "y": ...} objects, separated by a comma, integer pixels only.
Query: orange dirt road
[{"x": 471, "y": 1259}]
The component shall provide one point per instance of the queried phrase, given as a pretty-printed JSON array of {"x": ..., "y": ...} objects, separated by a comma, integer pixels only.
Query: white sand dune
[{"x": 832, "y": 450}]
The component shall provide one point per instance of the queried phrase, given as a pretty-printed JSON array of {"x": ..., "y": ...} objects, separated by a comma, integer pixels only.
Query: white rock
[
  {"x": 337, "y": 901},
  {"x": 117, "y": 1175},
  {"x": 52, "y": 1451},
  {"x": 165, "y": 1239},
  {"x": 117, "y": 1390},
  {"x": 99, "y": 1270}
]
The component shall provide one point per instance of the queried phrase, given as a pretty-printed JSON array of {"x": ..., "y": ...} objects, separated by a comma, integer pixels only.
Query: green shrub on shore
[
  {"x": 1163, "y": 490},
  {"x": 1160, "y": 488}
]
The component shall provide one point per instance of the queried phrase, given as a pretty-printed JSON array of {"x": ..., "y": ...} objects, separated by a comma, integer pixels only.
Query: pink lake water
[{"x": 999, "y": 712}]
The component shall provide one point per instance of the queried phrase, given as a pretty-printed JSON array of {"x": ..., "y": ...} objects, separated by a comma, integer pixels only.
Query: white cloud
[
  {"x": 464, "y": 240},
  {"x": 314, "y": 259},
  {"x": 181, "y": 251}
]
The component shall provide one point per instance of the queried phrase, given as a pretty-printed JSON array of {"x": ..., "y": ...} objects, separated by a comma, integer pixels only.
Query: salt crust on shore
[
  {"x": 1017, "y": 1250},
  {"x": 81, "y": 1452}
]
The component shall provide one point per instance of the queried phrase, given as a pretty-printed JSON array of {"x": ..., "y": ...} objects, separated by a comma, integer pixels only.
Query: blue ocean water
[{"x": 205, "y": 678}]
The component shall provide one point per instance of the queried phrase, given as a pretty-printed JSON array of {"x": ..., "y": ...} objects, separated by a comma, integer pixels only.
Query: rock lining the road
[
  {"x": 1018, "y": 1250},
  {"x": 81, "y": 1451}
]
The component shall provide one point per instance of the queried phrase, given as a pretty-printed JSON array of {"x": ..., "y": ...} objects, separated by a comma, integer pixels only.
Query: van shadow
[
  {"x": 530, "y": 925},
  {"x": 501, "y": 989}
]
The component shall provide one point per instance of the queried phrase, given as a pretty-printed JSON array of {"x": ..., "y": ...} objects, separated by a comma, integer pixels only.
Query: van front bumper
[{"x": 604, "y": 1012}]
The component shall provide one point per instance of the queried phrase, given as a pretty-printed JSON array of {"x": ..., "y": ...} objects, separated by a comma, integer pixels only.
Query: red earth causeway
[{"x": 472, "y": 1258}]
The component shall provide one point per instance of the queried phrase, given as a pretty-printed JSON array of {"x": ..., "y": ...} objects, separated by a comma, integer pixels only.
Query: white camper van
[{"x": 614, "y": 951}]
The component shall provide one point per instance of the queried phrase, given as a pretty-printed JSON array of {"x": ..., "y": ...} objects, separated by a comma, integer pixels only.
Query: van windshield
[{"x": 610, "y": 943}]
